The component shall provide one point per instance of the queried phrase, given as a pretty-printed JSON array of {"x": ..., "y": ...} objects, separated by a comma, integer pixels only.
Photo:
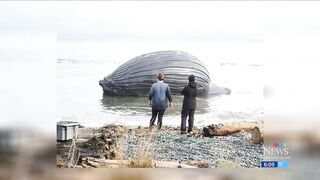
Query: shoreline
[{"x": 134, "y": 144}]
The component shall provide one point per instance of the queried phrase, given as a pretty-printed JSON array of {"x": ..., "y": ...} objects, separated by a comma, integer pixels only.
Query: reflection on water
[{"x": 139, "y": 105}]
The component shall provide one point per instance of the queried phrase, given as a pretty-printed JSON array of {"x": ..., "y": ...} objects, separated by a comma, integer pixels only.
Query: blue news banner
[{"x": 274, "y": 164}]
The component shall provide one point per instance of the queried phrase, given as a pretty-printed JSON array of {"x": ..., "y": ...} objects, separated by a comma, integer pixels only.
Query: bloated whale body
[{"x": 135, "y": 77}]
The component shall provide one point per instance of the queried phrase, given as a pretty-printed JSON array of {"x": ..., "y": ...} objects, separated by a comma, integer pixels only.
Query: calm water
[{"x": 80, "y": 97}]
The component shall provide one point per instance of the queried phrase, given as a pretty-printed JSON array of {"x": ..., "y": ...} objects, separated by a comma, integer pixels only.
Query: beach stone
[{"x": 169, "y": 145}]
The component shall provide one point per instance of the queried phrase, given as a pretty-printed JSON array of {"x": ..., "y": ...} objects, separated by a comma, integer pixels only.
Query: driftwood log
[
  {"x": 218, "y": 130},
  {"x": 256, "y": 129},
  {"x": 257, "y": 135},
  {"x": 91, "y": 162}
]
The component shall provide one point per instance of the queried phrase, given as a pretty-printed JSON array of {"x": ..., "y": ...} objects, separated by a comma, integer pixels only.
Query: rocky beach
[{"x": 144, "y": 147}]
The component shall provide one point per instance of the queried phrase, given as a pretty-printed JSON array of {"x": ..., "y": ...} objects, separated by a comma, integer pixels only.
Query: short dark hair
[
  {"x": 160, "y": 77},
  {"x": 191, "y": 78}
]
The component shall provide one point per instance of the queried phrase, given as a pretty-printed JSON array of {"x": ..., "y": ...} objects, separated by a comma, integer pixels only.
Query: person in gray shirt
[{"x": 159, "y": 98}]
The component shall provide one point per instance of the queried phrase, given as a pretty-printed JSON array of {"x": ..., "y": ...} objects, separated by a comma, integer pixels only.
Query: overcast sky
[
  {"x": 105, "y": 30},
  {"x": 208, "y": 21},
  {"x": 147, "y": 21},
  {"x": 221, "y": 26}
]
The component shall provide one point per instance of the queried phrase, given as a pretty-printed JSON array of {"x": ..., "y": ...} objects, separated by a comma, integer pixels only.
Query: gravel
[{"x": 172, "y": 146}]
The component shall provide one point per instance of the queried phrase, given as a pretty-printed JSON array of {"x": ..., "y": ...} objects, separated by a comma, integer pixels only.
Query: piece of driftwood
[
  {"x": 165, "y": 164},
  {"x": 91, "y": 162},
  {"x": 211, "y": 131},
  {"x": 228, "y": 129},
  {"x": 221, "y": 130},
  {"x": 199, "y": 164},
  {"x": 257, "y": 135}
]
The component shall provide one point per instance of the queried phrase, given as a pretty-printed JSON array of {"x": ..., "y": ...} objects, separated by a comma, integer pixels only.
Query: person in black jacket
[{"x": 189, "y": 104}]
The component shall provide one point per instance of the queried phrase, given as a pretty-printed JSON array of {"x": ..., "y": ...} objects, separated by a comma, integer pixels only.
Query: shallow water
[{"x": 80, "y": 98}]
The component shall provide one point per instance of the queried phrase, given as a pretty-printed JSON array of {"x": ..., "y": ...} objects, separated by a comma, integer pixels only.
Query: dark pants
[
  {"x": 184, "y": 114},
  {"x": 156, "y": 113}
]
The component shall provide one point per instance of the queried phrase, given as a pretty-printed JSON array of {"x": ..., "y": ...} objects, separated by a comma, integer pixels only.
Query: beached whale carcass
[{"x": 135, "y": 77}]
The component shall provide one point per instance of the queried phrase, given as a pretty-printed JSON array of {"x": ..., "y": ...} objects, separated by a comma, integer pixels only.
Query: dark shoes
[
  {"x": 184, "y": 132},
  {"x": 190, "y": 133}
]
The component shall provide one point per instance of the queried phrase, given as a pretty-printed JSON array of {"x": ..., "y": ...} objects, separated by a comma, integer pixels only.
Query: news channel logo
[{"x": 276, "y": 156}]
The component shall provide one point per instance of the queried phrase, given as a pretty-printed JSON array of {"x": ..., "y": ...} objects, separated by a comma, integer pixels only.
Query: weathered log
[
  {"x": 104, "y": 163},
  {"x": 228, "y": 129},
  {"x": 199, "y": 164},
  {"x": 165, "y": 164},
  {"x": 90, "y": 162},
  {"x": 257, "y": 135},
  {"x": 220, "y": 130},
  {"x": 210, "y": 132}
]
